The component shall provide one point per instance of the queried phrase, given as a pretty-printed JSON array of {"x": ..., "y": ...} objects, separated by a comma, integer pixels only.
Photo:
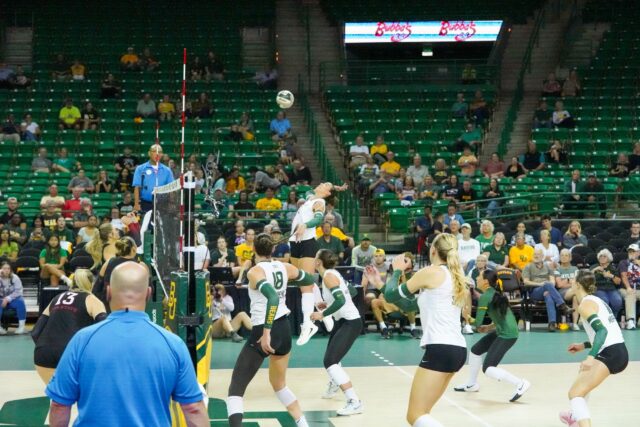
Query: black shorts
[
  {"x": 280, "y": 337},
  {"x": 615, "y": 357},
  {"x": 304, "y": 249},
  {"x": 47, "y": 357},
  {"x": 443, "y": 358},
  {"x": 373, "y": 291}
]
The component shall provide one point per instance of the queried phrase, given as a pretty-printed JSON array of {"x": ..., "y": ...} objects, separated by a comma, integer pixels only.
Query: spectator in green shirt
[
  {"x": 64, "y": 163},
  {"x": 69, "y": 116},
  {"x": 498, "y": 251},
  {"x": 52, "y": 261},
  {"x": 8, "y": 249},
  {"x": 471, "y": 137},
  {"x": 485, "y": 238},
  {"x": 332, "y": 243}
]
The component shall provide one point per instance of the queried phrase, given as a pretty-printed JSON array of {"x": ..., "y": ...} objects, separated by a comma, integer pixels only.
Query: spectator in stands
[
  {"x": 330, "y": 209},
  {"x": 110, "y": 87},
  {"x": 630, "y": 275},
  {"x": 64, "y": 163},
  {"x": 417, "y": 171},
  {"x": 498, "y": 251},
  {"x": 367, "y": 174},
  {"x": 594, "y": 195},
  {"x": 8, "y": 248},
  {"x": 268, "y": 203},
  {"x": 555, "y": 234},
  {"x": 362, "y": 255},
  {"x": 391, "y": 167},
  {"x": 69, "y": 116},
  {"x": 214, "y": 68},
  {"x": 382, "y": 267},
  {"x": 451, "y": 190},
  {"x": 281, "y": 127},
  {"x": 620, "y": 168},
  {"x": 571, "y": 200},
  {"x": 634, "y": 232},
  {"x": 330, "y": 242},
  {"x": 12, "y": 209},
  {"x": 532, "y": 160},
  {"x": 126, "y": 205},
  {"x": 17, "y": 233},
  {"x": 222, "y": 256},
  {"x": 89, "y": 231},
  {"x": 124, "y": 181},
  {"x": 378, "y": 150},
  {"x": 81, "y": 218},
  {"x": 521, "y": 254},
  {"x": 468, "y": 247},
  {"x": 454, "y": 229},
  {"x": 243, "y": 205},
  {"x": 244, "y": 251},
  {"x": 549, "y": 250},
  {"x": 358, "y": 153},
  {"x": 528, "y": 238},
  {"x": 424, "y": 223},
  {"x": 235, "y": 183},
  {"x": 10, "y": 130},
  {"x": 479, "y": 109},
  {"x": 52, "y": 262},
  {"x": 571, "y": 86},
  {"x": 452, "y": 214},
  {"x": 407, "y": 191},
  {"x": 384, "y": 184},
  {"x": 539, "y": 276},
  {"x": 146, "y": 107},
  {"x": 468, "y": 162},
  {"x": 556, "y": 154},
  {"x": 60, "y": 68},
  {"x": 515, "y": 169},
  {"x": 57, "y": 200},
  {"x": 551, "y": 86},
  {"x": 130, "y": 61},
  {"x": 466, "y": 196},
  {"x": 264, "y": 179},
  {"x": 542, "y": 116},
  {"x": 166, "y": 109},
  {"x": 202, "y": 107},
  {"x": 299, "y": 174},
  {"x": 574, "y": 237},
  {"x": 64, "y": 234},
  {"x": 471, "y": 137},
  {"x": 6, "y": 75},
  {"x": 460, "y": 108},
  {"x": 494, "y": 168},
  {"x": 11, "y": 296},
  {"x": 608, "y": 281},
  {"x": 634, "y": 159},
  {"x": 565, "y": 275},
  {"x": 469, "y": 75},
  {"x": 267, "y": 78},
  {"x": 245, "y": 126},
  {"x": 82, "y": 181},
  {"x": 103, "y": 184},
  {"x": 493, "y": 192},
  {"x": 561, "y": 117},
  {"x": 428, "y": 189},
  {"x": 19, "y": 80},
  {"x": 127, "y": 161},
  {"x": 29, "y": 130},
  {"x": 485, "y": 238},
  {"x": 78, "y": 70},
  {"x": 147, "y": 61},
  {"x": 90, "y": 117},
  {"x": 74, "y": 204},
  {"x": 441, "y": 172},
  {"x": 41, "y": 163}
]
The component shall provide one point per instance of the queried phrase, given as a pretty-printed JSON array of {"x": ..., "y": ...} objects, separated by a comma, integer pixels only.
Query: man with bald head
[
  {"x": 148, "y": 176},
  {"x": 124, "y": 370}
]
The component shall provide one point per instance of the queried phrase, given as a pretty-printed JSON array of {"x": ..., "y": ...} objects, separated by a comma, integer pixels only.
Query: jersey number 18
[{"x": 278, "y": 281}]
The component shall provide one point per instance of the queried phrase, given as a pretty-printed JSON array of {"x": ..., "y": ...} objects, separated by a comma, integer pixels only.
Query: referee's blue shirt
[
  {"x": 123, "y": 371},
  {"x": 147, "y": 178}
]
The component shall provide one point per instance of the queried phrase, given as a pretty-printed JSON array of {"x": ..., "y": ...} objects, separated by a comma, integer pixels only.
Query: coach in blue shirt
[
  {"x": 124, "y": 371},
  {"x": 148, "y": 176}
]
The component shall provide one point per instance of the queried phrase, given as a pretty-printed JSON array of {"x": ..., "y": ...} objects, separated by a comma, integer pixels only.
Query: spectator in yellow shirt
[
  {"x": 244, "y": 251},
  {"x": 379, "y": 150},
  {"x": 235, "y": 183},
  {"x": 268, "y": 203},
  {"x": 166, "y": 109},
  {"x": 130, "y": 61},
  {"x": 77, "y": 70},
  {"x": 69, "y": 116},
  {"x": 467, "y": 162},
  {"x": 391, "y": 166},
  {"x": 521, "y": 254}
]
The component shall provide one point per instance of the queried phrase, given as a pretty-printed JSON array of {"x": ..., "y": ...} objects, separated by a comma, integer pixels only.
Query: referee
[
  {"x": 124, "y": 370},
  {"x": 148, "y": 176}
]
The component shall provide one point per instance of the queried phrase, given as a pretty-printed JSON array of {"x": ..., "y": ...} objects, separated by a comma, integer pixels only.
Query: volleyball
[{"x": 284, "y": 99}]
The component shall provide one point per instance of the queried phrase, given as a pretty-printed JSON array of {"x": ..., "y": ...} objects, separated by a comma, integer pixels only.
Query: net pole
[{"x": 183, "y": 117}]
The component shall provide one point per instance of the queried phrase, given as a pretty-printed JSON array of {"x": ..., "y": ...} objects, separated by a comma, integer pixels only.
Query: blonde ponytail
[
  {"x": 446, "y": 246},
  {"x": 83, "y": 280}
]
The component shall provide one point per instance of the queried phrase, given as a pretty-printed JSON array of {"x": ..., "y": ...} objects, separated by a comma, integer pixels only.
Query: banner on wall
[{"x": 421, "y": 32}]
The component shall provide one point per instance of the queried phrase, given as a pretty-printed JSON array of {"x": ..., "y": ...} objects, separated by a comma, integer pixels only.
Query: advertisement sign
[{"x": 421, "y": 32}]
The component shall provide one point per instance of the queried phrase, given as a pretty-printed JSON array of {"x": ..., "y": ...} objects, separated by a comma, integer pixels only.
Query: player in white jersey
[
  {"x": 271, "y": 333},
  {"x": 608, "y": 354},
  {"x": 338, "y": 303},
  {"x": 304, "y": 248},
  {"x": 442, "y": 292}
]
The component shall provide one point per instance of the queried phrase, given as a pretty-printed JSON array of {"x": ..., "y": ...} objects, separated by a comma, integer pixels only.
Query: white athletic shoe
[
  {"x": 465, "y": 388},
  {"x": 328, "y": 323},
  {"x": 631, "y": 324},
  {"x": 20, "y": 331},
  {"x": 520, "y": 390},
  {"x": 332, "y": 390},
  {"x": 307, "y": 330},
  {"x": 353, "y": 407},
  {"x": 66, "y": 280},
  {"x": 3, "y": 331},
  {"x": 467, "y": 329},
  {"x": 575, "y": 327},
  {"x": 567, "y": 418}
]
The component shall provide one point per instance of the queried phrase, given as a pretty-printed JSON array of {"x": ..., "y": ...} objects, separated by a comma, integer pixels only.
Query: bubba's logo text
[
  {"x": 401, "y": 31},
  {"x": 463, "y": 30}
]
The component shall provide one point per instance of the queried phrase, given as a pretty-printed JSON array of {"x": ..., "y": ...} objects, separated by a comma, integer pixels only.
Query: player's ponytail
[
  {"x": 499, "y": 301},
  {"x": 124, "y": 246},
  {"x": 82, "y": 280},
  {"x": 446, "y": 246}
]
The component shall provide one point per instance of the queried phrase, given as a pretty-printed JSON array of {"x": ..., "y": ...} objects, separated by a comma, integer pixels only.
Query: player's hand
[
  {"x": 136, "y": 207},
  {"x": 400, "y": 263},
  {"x": 575, "y": 347},
  {"x": 300, "y": 231},
  {"x": 587, "y": 363},
  {"x": 321, "y": 305},
  {"x": 265, "y": 342},
  {"x": 5, "y": 302},
  {"x": 317, "y": 315},
  {"x": 341, "y": 187}
]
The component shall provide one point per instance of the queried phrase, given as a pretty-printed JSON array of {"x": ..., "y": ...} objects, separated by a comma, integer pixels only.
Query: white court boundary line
[{"x": 445, "y": 398}]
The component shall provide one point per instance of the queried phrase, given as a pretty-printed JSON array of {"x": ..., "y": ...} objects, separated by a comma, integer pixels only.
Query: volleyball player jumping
[
  {"x": 271, "y": 333},
  {"x": 303, "y": 251},
  {"x": 348, "y": 326},
  {"x": 503, "y": 334},
  {"x": 608, "y": 354},
  {"x": 442, "y": 294}
]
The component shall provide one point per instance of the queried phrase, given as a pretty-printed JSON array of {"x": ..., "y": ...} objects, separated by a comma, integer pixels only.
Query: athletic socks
[
  {"x": 235, "y": 410},
  {"x": 502, "y": 375},
  {"x": 350, "y": 394},
  {"x": 308, "y": 305},
  {"x": 475, "y": 363},
  {"x": 382, "y": 325},
  {"x": 427, "y": 421},
  {"x": 412, "y": 326},
  {"x": 579, "y": 409},
  {"x": 21, "y": 324},
  {"x": 302, "y": 422}
]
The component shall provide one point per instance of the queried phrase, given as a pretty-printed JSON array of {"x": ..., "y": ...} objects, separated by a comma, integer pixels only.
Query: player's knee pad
[
  {"x": 337, "y": 374},
  {"x": 579, "y": 409},
  {"x": 235, "y": 405},
  {"x": 286, "y": 396}
]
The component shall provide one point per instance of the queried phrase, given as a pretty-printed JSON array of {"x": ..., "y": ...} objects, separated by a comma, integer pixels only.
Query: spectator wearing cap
[
  {"x": 594, "y": 194},
  {"x": 452, "y": 214},
  {"x": 521, "y": 254},
  {"x": 281, "y": 251},
  {"x": 608, "y": 281},
  {"x": 630, "y": 275},
  {"x": 330, "y": 242},
  {"x": 147, "y": 177},
  {"x": 417, "y": 171},
  {"x": 362, "y": 255}
]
